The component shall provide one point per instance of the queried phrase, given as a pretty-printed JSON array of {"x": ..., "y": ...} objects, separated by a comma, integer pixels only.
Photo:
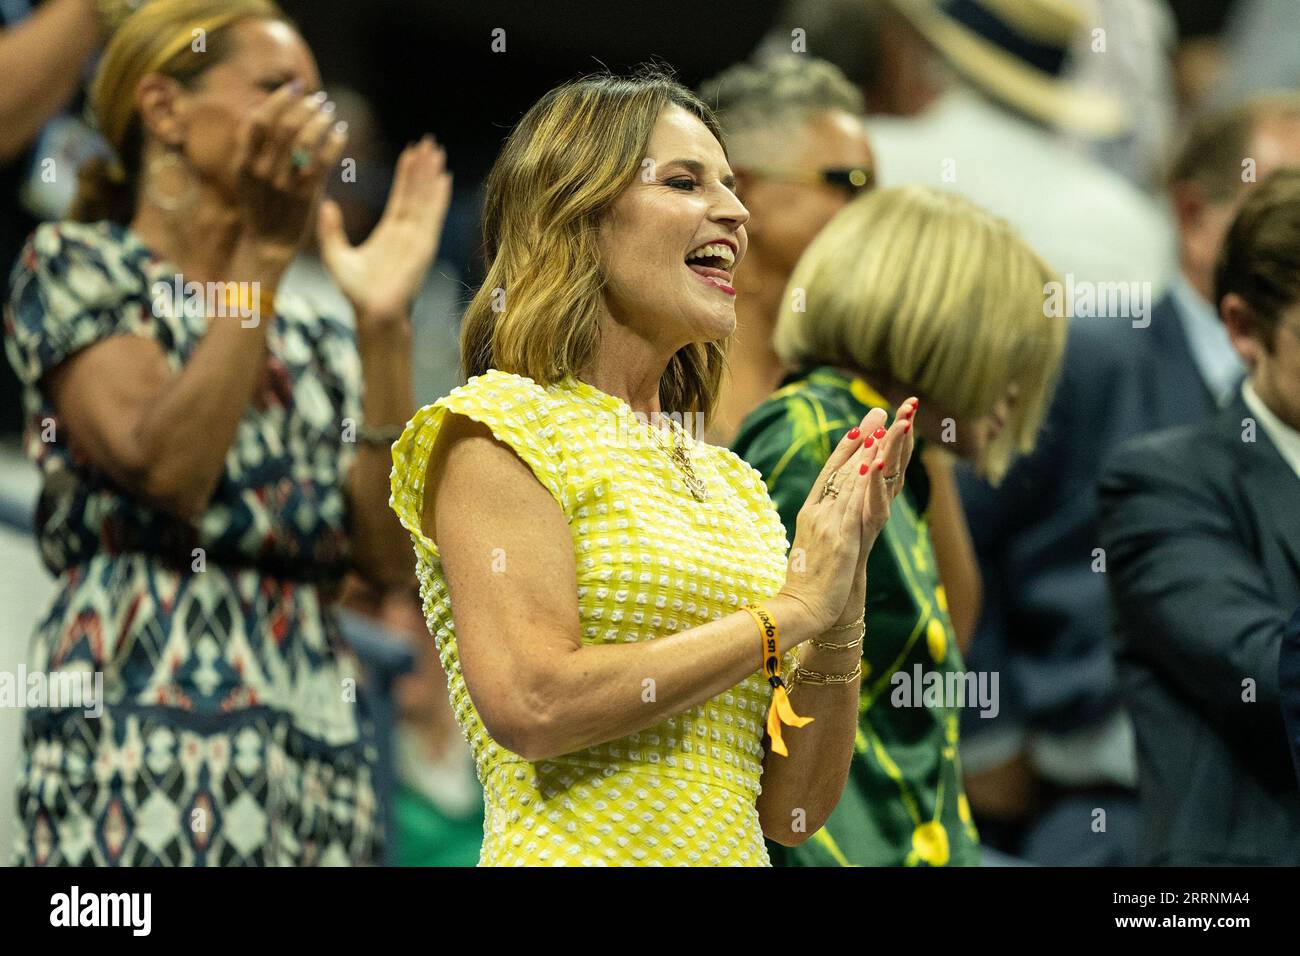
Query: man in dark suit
[
  {"x": 1202, "y": 527},
  {"x": 1288, "y": 679},
  {"x": 1061, "y": 746}
]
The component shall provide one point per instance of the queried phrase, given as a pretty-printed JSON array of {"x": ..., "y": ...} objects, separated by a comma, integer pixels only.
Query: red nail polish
[
  {"x": 880, "y": 465},
  {"x": 909, "y": 413},
  {"x": 907, "y": 427},
  {"x": 868, "y": 443},
  {"x": 854, "y": 432},
  {"x": 879, "y": 433},
  {"x": 864, "y": 469}
]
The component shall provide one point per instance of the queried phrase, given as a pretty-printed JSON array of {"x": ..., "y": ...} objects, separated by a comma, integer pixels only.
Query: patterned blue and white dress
[{"x": 230, "y": 732}]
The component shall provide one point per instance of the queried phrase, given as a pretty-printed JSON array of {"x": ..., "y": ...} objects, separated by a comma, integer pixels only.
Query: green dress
[{"x": 904, "y": 804}]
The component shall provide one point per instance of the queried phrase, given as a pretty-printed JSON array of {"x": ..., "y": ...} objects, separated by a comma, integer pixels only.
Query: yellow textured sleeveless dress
[{"x": 651, "y": 560}]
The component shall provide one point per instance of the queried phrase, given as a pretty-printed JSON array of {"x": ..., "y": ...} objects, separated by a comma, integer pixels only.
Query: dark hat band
[{"x": 979, "y": 19}]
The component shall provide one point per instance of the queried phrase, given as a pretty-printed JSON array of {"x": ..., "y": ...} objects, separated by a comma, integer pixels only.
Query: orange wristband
[{"x": 781, "y": 711}]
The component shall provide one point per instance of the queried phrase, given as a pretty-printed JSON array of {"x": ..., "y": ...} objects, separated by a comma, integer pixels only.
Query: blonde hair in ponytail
[{"x": 161, "y": 37}]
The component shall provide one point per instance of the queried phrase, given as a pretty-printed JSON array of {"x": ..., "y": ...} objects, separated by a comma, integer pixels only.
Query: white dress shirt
[
  {"x": 1282, "y": 435},
  {"x": 1207, "y": 338}
]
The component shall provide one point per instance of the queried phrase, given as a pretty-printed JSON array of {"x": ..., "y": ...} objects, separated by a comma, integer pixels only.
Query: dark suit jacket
[
  {"x": 1288, "y": 678},
  {"x": 1046, "y": 624},
  {"x": 1202, "y": 534}
]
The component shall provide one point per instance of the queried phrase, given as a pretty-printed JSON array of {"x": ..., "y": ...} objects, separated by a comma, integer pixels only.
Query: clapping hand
[{"x": 382, "y": 274}]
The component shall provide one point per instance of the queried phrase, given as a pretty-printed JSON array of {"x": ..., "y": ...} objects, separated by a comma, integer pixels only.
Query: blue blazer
[
  {"x": 1202, "y": 529},
  {"x": 1045, "y": 625},
  {"x": 1288, "y": 680}
]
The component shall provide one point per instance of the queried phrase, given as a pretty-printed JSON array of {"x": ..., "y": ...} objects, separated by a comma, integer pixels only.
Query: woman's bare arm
[
  {"x": 159, "y": 434},
  {"x": 542, "y": 693},
  {"x": 41, "y": 61},
  {"x": 538, "y": 689}
]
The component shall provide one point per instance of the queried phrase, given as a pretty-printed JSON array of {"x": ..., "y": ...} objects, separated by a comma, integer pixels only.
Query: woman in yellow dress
[{"x": 610, "y": 595}]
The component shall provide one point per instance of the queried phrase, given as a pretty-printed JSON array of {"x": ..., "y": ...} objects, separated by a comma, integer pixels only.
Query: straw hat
[{"x": 1014, "y": 50}]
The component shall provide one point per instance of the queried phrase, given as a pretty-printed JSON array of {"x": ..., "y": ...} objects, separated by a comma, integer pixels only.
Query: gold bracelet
[
  {"x": 803, "y": 676},
  {"x": 831, "y": 646},
  {"x": 850, "y": 626}
]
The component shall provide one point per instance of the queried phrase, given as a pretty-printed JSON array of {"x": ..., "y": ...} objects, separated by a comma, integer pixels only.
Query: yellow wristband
[
  {"x": 780, "y": 712},
  {"x": 237, "y": 299}
]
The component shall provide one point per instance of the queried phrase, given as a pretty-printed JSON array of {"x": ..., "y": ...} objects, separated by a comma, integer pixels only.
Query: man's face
[
  {"x": 789, "y": 200},
  {"x": 1274, "y": 143}
]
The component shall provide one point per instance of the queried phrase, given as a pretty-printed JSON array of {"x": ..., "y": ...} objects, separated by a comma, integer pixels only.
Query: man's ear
[
  {"x": 1243, "y": 328},
  {"x": 158, "y": 101},
  {"x": 1189, "y": 200}
]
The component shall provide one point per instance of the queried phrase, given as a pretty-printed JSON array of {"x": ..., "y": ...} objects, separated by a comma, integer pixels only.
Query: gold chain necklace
[{"x": 682, "y": 459}]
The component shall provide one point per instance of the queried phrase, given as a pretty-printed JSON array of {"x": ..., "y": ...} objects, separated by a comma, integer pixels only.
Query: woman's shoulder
[
  {"x": 67, "y": 248},
  {"x": 504, "y": 400},
  {"x": 494, "y": 384},
  {"x": 514, "y": 408},
  {"x": 102, "y": 239}
]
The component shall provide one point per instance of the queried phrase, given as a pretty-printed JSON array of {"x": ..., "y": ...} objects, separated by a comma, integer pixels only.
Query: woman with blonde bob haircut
[
  {"x": 609, "y": 595},
  {"x": 909, "y": 291}
]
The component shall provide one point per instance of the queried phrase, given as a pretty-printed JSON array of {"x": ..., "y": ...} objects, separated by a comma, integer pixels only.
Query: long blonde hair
[
  {"x": 935, "y": 293},
  {"x": 537, "y": 312},
  {"x": 176, "y": 38}
]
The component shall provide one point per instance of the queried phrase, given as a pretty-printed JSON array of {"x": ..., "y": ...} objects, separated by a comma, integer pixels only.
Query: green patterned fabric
[{"x": 903, "y": 804}]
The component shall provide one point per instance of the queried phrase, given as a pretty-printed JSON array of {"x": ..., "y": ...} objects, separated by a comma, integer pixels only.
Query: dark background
[{"x": 430, "y": 66}]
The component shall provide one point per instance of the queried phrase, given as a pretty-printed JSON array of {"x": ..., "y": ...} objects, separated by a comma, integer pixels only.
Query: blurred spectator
[
  {"x": 1063, "y": 738},
  {"x": 870, "y": 43},
  {"x": 1199, "y": 67},
  {"x": 910, "y": 292},
  {"x": 1261, "y": 48},
  {"x": 1126, "y": 52},
  {"x": 1289, "y": 684},
  {"x": 208, "y": 479},
  {"x": 439, "y": 799},
  {"x": 994, "y": 137},
  {"x": 1202, "y": 527},
  {"x": 799, "y": 152},
  {"x": 43, "y": 53}
]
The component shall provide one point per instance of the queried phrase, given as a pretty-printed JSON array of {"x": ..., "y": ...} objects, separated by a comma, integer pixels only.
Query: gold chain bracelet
[
  {"x": 850, "y": 626},
  {"x": 804, "y": 676},
  {"x": 831, "y": 646}
]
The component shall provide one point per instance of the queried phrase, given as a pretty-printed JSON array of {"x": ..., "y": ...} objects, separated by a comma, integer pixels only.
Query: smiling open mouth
[{"x": 712, "y": 262}]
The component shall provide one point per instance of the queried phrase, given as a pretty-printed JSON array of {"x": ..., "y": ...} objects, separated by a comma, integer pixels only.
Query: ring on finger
[
  {"x": 829, "y": 489},
  {"x": 300, "y": 158},
  {"x": 890, "y": 479}
]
